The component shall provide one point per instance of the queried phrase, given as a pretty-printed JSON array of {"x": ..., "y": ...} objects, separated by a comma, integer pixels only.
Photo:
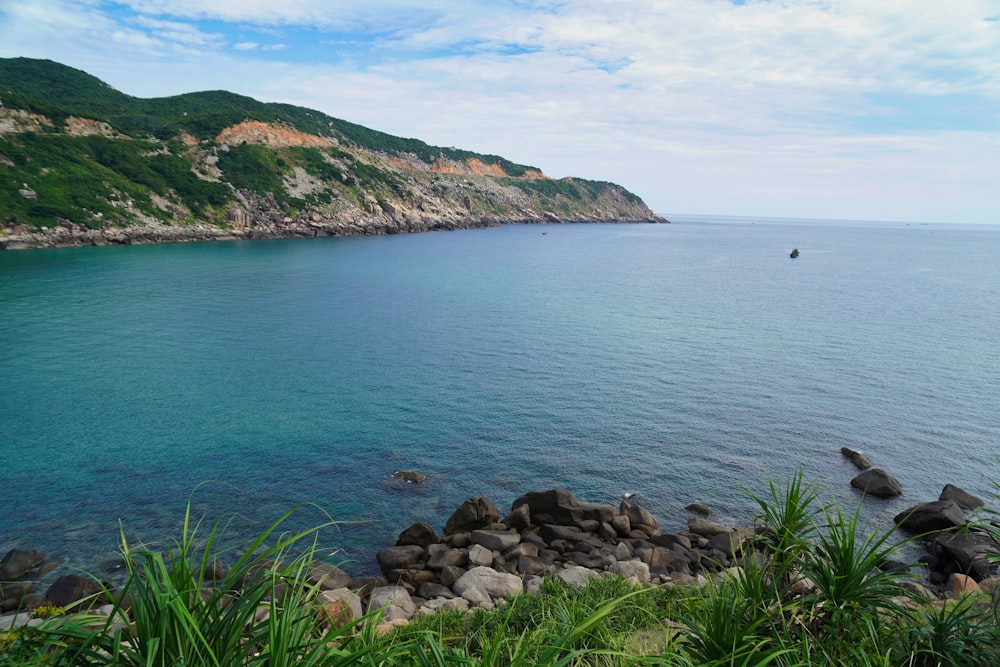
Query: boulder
[
  {"x": 927, "y": 517},
  {"x": 496, "y": 540},
  {"x": 327, "y": 576},
  {"x": 497, "y": 584},
  {"x": 338, "y": 607},
  {"x": 560, "y": 507},
  {"x": 968, "y": 550},
  {"x": 699, "y": 508},
  {"x": 552, "y": 533},
  {"x": 707, "y": 528},
  {"x": 621, "y": 525},
  {"x": 450, "y": 574},
  {"x": 877, "y": 482},
  {"x": 639, "y": 518},
  {"x": 964, "y": 499},
  {"x": 410, "y": 476},
  {"x": 19, "y": 562},
  {"x": 960, "y": 584},
  {"x": 441, "y": 556},
  {"x": 420, "y": 534},
  {"x": 519, "y": 518},
  {"x": 430, "y": 590},
  {"x": 574, "y": 575},
  {"x": 480, "y": 555},
  {"x": 395, "y": 558},
  {"x": 394, "y": 601},
  {"x": 634, "y": 570},
  {"x": 71, "y": 588},
  {"x": 731, "y": 544},
  {"x": 859, "y": 460},
  {"x": 670, "y": 539},
  {"x": 474, "y": 513}
]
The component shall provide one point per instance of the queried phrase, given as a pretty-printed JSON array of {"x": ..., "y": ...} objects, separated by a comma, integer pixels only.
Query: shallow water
[{"x": 681, "y": 361}]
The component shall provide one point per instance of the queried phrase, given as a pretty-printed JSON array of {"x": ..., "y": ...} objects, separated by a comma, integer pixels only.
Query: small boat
[{"x": 794, "y": 253}]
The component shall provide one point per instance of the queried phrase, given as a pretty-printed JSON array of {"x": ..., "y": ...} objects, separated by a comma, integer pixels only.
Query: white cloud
[{"x": 698, "y": 105}]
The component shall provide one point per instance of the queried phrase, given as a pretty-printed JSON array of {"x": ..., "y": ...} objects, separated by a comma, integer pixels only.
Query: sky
[{"x": 845, "y": 109}]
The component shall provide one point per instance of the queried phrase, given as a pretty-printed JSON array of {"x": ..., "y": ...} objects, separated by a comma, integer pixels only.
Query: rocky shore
[
  {"x": 481, "y": 558},
  {"x": 264, "y": 218}
]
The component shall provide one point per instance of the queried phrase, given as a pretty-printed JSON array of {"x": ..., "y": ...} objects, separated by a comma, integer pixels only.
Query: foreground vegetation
[{"x": 812, "y": 591}]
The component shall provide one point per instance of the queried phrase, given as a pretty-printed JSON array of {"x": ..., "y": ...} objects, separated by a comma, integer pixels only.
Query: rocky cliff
[{"x": 96, "y": 167}]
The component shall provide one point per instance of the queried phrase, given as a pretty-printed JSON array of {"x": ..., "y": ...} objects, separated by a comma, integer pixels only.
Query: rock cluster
[{"x": 480, "y": 559}]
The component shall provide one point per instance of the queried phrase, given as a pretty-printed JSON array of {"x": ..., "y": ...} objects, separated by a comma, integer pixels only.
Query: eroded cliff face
[{"x": 331, "y": 188}]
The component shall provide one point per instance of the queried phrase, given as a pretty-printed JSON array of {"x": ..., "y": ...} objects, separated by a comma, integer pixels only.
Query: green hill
[{"x": 79, "y": 155}]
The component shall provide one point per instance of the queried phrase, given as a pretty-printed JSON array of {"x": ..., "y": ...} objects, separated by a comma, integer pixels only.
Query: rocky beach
[{"x": 482, "y": 556}]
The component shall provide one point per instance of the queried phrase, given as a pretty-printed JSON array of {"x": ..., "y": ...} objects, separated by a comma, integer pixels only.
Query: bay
[{"x": 683, "y": 362}]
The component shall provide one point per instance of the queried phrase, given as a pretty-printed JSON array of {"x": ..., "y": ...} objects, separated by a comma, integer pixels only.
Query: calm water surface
[{"x": 681, "y": 361}]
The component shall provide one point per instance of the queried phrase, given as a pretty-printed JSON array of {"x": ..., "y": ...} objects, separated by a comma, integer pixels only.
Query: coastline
[{"x": 308, "y": 225}]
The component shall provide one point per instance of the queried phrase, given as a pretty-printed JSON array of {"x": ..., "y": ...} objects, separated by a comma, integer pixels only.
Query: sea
[{"x": 254, "y": 382}]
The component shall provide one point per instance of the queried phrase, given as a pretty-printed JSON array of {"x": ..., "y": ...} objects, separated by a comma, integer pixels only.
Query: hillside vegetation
[{"x": 79, "y": 157}]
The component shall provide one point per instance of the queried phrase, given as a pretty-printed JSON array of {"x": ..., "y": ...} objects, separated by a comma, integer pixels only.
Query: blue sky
[{"x": 847, "y": 109}]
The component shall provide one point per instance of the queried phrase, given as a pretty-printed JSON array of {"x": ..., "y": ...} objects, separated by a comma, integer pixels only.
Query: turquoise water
[{"x": 678, "y": 361}]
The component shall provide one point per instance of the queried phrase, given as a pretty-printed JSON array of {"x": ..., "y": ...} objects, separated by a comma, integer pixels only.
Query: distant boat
[{"x": 794, "y": 253}]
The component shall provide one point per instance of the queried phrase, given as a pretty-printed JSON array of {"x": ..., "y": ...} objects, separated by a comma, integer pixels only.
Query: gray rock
[
  {"x": 698, "y": 508},
  {"x": 859, "y": 460},
  {"x": 621, "y": 525},
  {"x": 518, "y": 518},
  {"x": 480, "y": 556},
  {"x": 733, "y": 544},
  {"x": 450, "y": 574},
  {"x": 593, "y": 561},
  {"x": 964, "y": 499},
  {"x": 440, "y": 556},
  {"x": 342, "y": 606},
  {"x": 394, "y": 601},
  {"x": 430, "y": 590},
  {"x": 394, "y": 558},
  {"x": 560, "y": 507},
  {"x": 877, "y": 482},
  {"x": 969, "y": 551},
  {"x": 410, "y": 476},
  {"x": 639, "y": 518},
  {"x": 474, "y": 513},
  {"x": 19, "y": 562},
  {"x": 478, "y": 597},
  {"x": 522, "y": 549},
  {"x": 671, "y": 539},
  {"x": 496, "y": 540},
  {"x": 707, "y": 528},
  {"x": 497, "y": 584},
  {"x": 632, "y": 569},
  {"x": 552, "y": 532},
  {"x": 327, "y": 576},
  {"x": 927, "y": 517},
  {"x": 71, "y": 589},
  {"x": 532, "y": 565},
  {"x": 420, "y": 534},
  {"x": 574, "y": 575}
]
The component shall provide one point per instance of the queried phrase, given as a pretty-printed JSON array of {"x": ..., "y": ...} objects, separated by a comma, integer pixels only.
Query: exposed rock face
[{"x": 877, "y": 482}]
